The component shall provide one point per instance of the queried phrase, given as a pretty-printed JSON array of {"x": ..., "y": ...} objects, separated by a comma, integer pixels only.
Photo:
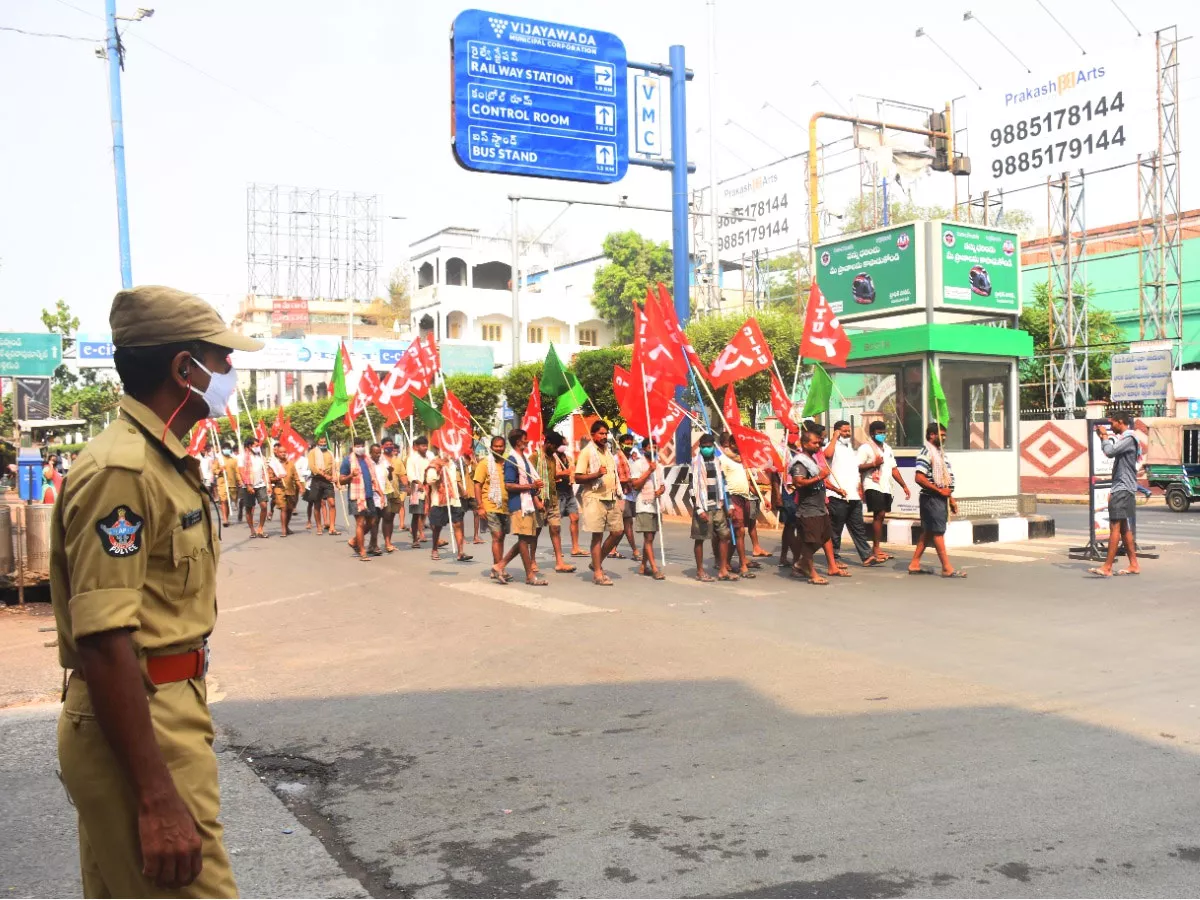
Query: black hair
[
  {"x": 877, "y": 426},
  {"x": 839, "y": 423},
  {"x": 645, "y": 443},
  {"x": 706, "y": 439},
  {"x": 933, "y": 429},
  {"x": 598, "y": 424},
  {"x": 143, "y": 370},
  {"x": 555, "y": 440},
  {"x": 815, "y": 427},
  {"x": 419, "y": 440},
  {"x": 358, "y": 442},
  {"x": 517, "y": 434},
  {"x": 1123, "y": 417},
  {"x": 627, "y": 436}
]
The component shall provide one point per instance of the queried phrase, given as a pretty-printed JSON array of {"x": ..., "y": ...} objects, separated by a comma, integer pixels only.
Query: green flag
[
  {"x": 341, "y": 402},
  {"x": 430, "y": 417},
  {"x": 941, "y": 408},
  {"x": 820, "y": 389},
  {"x": 560, "y": 382}
]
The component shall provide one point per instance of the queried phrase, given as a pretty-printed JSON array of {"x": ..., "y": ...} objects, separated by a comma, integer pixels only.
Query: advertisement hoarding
[
  {"x": 773, "y": 197},
  {"x": 1140, "y": 376},
  {"x": 876, "y": 273},
  {"x": 289, "y": 312},
  {"x": 1073, "y": 113},
  {"x": 977, "y": 268}
]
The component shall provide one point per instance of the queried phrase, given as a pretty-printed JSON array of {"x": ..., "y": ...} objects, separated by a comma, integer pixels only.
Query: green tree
[
  {"x": 594, "y": 369},
  {"x": 786, "y": 282},
  {"x": 396, "y": 307},
  {"x": 782, "y": 330},
  {"x": 865, "y": 214},
  {"x": 480, "y": 394},
  {"x": 1104, "y": 337},
  {"x": 635, "y": 263},
  {"x": 518, "y": 382},
  {"x": 60, "y": 321}
]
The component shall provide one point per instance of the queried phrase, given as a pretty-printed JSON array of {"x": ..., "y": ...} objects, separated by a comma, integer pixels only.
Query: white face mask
[
  {"x": 360, "y": 451},
  {"x": 257, "y": 451},
  {"x": 844, "y": 441},
  {"x": 221, "y": 386}
]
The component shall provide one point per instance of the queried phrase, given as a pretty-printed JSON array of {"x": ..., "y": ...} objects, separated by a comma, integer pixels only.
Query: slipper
[
  {"x": 434, "y": 556},
  {"x": 871, "y": 562},
  {"x": 753, "y": 565},
  {"x": 579, "y": 554},
  {"x": 705, "y": 577},
  {"x": 919, "y": 571},
  {"x": 729, "y": 577},
  {"x": 443, "y": 543},
  {"x": 502, "y": 577},
  {"x": 1128, "y": 572},
  {"x": 761, "y": 555},
  {"x": 364, "y": 559},
  {"x": 389, "y": 549},
  {"x": 840, "y": 573},
  {"x": 602, "y": 581},
  {"x": 463, "y": 557},
  {"x": 747, "y": 574},
  {"x": 374, "y": 553},
  {"x": 883, "y": 557},
  {"x": 478, "y": 541},
  {"x": 536, "y": 582},
  {"x": 818, "y": 581},
  {"x": 564, "y": 569},
  {"x": 957, "y": 573},
  {"x": 336, "y": 533},
  {"x": 615, "y": 555},
  {"x": 1100, "y": 573},
  {"x": 658, "y": 576},
  {"x": 637, "y": 556}
]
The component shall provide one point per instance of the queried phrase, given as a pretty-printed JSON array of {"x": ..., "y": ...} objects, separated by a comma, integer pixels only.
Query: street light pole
[
  {"x": 113, "y": 47},
  {"x": 516, "y": 303}
]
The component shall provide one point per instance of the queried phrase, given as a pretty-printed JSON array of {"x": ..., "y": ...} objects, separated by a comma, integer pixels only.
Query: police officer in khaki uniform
[{"x": 133, "y": 581}]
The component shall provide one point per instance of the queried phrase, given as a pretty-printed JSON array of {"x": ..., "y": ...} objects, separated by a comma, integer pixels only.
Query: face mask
[
  {"x": 880, "y": 438},
  {"x": 708, "y": 452},
  {"x": 360, "y": 451},
  {"x": 628, "y": 451},
  {"x": 221, "y": 386},
  {"x": 227, "y": 452},
  {"x": 257, "y": 451},
  {"x": 844, "y": 441},
  {"x": 322, "y": 447}
]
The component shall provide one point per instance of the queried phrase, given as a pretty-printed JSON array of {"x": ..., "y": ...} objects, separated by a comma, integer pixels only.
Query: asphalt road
[{"x": 1028, "y": 731}]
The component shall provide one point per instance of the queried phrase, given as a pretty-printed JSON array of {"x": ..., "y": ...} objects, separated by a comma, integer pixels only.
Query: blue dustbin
[{"x": 29, "y": 475}]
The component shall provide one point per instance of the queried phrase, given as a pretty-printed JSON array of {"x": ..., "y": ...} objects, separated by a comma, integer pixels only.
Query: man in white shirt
[
  {"x": 648, "y": 486},
  {"x": 418, "y": 462},
  {"x": 845, "y": 501},
  {"x": 253, "y": 470},
  {"x": 877, "y": 465},
  {"x": 737, "y": 484}
]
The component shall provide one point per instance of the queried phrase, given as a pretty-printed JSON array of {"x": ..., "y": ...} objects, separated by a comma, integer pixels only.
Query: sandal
[
  {"x": 818, "y": 580},
  {"x": 562, "y": 570},
  {"x": 579, "y": 554},
  {"x": 374, "y": 553},
  {"x": 536, "y": 582},
  {"x": 871, "y": 562},
  {"x": 760, "y": 555},
  {"x": 729, "y": 576},
  {"x": 747, "y": 574},
  {"x": 502, "y": 577},
  {"x": 658, "y": 576},
  {"x": 602, "y": 581},
  {"x": 389, "y": 549},
  {"x": 435, "y": 557},
  {"x": 753, "y": 565},
  {"x": 616, "y": 554},
  {"x": 364, "y": 559},
  {"x": 840, "y": 573},
  {"x": 957, "y": 573},
  {"x": 463, "y": 557},
  {"x": 705, "y": 577},
  {"x": 920, "y": 571}
]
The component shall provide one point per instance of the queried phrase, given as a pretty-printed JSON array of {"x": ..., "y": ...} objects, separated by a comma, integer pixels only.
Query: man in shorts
[
  {"x": 737, "y": 485},
  {"x": 321, "y": 488},
  {"x": 878, "y": 470},
  {"x": 600, "y": 492},
  {"x": 492, "y": 498},
  {"x": 546, "y": 463},
  {"x": 418, "y": 459},
  {"x": 253, "y": 472},
  {"x": 710, "y": 521},
  {"x": 524, "y": 502},
  {"x": 568, "y": 503},
  {"x": 936, "y": 480},
  {"x": 624, "y": 458},
  {"x": 397, "y": 480},
  {"x": 1121, "y": 446},
  {"x": 649, "y": 487},
  {"x": 813, "y": 530},
  {"x": 443, "y": 504}
]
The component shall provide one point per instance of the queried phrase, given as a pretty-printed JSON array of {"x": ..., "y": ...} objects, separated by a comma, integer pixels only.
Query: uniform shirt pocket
[{"x": 193, "y": 563}]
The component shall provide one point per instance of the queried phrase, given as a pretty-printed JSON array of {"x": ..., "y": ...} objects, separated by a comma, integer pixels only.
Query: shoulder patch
[{"x": 120, "y": 532}]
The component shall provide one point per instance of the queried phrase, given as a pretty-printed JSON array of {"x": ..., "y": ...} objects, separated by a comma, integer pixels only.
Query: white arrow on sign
[
  {"x": 604, "y": 115},
  {"x": 604, "y": 154}
]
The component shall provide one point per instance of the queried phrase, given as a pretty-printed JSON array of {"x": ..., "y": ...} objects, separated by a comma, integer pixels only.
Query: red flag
[
  {"x": 664, "y": 426},
  {"x": 293, "y": 444},
  {"x": 260, "y": 431},
  {"x": 781, "y": 403},
  {"x": 279, "y": 423},
  {"x": 732, "y": 414},
  {"x": 532, "y": 420},
  {"x": 454, "y": 411},
  {"x": 454, "y": 437},
  {"x": 746, "y": 353},
  {"x": 670, "y": 322},
  {"x": 198, "y": 441},
  {"x": 632, "y": 403},
  {"x": 368, "y": 390},
  {"x": 756, "y": 449},
  {"x": 406, "y": 378},
  {"x": 824, "y": 340},
  {"x": 429, "y": 354},
  {"x": 621, "y": 384},
  {"x": 662, "y": 357}
]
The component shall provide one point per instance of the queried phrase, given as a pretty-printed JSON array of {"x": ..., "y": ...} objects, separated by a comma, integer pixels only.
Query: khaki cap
[{"x": 152, "y": 315}]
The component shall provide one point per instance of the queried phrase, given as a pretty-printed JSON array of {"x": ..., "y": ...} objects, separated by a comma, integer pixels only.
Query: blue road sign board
[{"x": 536, "y": 98}]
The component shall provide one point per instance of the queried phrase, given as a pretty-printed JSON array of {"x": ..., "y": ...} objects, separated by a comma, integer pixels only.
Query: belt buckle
[{"x": 206, "y": 654}]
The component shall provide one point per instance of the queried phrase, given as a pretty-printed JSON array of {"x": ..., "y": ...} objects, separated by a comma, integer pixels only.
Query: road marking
[
  {"x": 527, "y": 599},
  {"x": 226, "y": 610}
]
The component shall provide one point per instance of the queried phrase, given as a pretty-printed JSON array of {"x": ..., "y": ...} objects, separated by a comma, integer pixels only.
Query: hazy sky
[{"x": 354, "y": 95}]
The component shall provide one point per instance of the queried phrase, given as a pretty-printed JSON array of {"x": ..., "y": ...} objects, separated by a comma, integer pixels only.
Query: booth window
[
  {"x": 887, "y": 392},
  {"x": 978, "y": 396}
]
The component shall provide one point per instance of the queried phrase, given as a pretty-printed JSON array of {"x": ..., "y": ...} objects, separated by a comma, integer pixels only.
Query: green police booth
[{"x": 936, "y": 297}]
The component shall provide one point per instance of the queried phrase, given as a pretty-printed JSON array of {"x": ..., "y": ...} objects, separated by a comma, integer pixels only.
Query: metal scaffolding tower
[
  {"x": 1160, "y": 247},
  {"x": 1067, "y": 243},
  {"x": 262, "y": 239},
  {"x": 362, "y": 245}
]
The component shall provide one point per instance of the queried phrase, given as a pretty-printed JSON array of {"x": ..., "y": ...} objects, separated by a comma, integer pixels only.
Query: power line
[{"x": 48, "y": 34}]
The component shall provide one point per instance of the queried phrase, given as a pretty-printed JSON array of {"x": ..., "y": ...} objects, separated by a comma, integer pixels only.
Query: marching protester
[
  {"x": 877, "y": 463},
  {"x": 596, "y": 474},
  {"x": 649, "y": 486},
  {"x": 809, "y": 474},
  {"x": 396, "y": 482},
  {"x": 524, "y": 500},
  {"x": 546, "y": 462},
  {"x": 846, "y": 506},
  {"x": 253, "y": 473},
  {"x": 492, "y": 497},
  {"x": 365, "y": 495},
  {"x": 304, "y": 479},
  {"x": 1121, "y": 446},
  {"x": 467, "y": 464},
  {"x": 321, "y": 488},
  {"x": 624, "y": 456},
  {"x": 936, "y": 480},
  {"x": 285, "y": 487},
  {"x": 418, "y": 460},
  {"x": 444, "y": 504},
  {"x": 710, "y": 520},
  {"x": 568, "y": 503},
  {"x": 836, "y": 568},
  {"x": 783, "y": 497},
  {"x": 737, "y": 486},
  {"x": 228, "y": 482},
  {"x": 760, "y": 480}
]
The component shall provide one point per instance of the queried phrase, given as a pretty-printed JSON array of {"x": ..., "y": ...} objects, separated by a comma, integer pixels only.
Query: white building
[{"x": 462, "y": 282}]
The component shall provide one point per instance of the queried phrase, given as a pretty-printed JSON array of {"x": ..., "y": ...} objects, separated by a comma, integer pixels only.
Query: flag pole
[{"x": 441, "y": 377}]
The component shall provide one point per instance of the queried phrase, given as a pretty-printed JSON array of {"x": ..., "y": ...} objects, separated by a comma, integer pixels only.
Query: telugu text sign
[
  {"x": 1140, "y": 376},
  {"x": 36, "y": 355},
  {"x": 979, "y": 268},
  {"x": 1065, "y": 116},
  {"x": 537, "y": 98},
  {"x": 872, "y": 273}
]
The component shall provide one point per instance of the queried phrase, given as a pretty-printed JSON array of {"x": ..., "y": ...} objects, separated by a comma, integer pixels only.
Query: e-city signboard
[
  {"x": 773, "y": 199},
  {"x": 977, "y": 268},
  {"x": 875, "y": 273},
  {"x": 538, "y": 98},
  {"x": 1074, "y": 113}
]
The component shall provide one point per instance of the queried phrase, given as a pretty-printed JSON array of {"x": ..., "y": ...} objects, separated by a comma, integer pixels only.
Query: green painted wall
[{"x": 1114, "y": 276}]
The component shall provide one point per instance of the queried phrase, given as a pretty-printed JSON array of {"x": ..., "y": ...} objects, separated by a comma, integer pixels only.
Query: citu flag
[
  {"x": 755, "y": 448},
  {"x": 199, "y": 439},
  {"x": 368, "y": 390},
  {"x": 628, "y": 388},
  {"x": 824, "y": 339},
  {"x": 781, "y": 403},
  {"x": 293, "y": 444},
  {"x": 664, "y": 426},
  {"x": 347, "y": 366},
  {"x": 454, "y": 437},
  {"x": 662, "y": 357},
  {"x": 260, "y": 431},
  {"x": 733, "y": 415},
  {"x": 454, "y": 410},
  {"x": 531, "y": 422},
  {"x": 279, "y": 423},
  {"x": 746, "y": 353},
  {"x": 670, "y": 322},
  {"x": 430, "y": 357}
]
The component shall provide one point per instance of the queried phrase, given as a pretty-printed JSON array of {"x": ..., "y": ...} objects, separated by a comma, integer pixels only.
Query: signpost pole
[
  {"x": 516, "y": 302},
  {"x": 679, "y": 223}
]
